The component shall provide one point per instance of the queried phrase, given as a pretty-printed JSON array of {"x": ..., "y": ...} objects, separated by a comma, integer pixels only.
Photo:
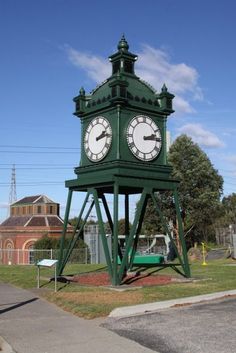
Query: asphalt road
[{"x": 199, "y": 328}]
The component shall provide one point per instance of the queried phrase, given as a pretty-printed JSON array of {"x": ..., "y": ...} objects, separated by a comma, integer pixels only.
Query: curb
[
  {"x": 5, "y": 347},
  {"x": 152, "y": 307}
]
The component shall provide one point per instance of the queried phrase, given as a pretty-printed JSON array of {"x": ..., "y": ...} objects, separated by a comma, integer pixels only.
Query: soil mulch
[{"x": 102, "y": 279}]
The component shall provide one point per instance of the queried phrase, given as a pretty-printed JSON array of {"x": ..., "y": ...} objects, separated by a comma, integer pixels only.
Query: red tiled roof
[
  {"x": 54, "y": 221},
  {"x": 38, "y": 221},
  {"x": 32, "y": 200},
  {"x": 17, "y": 221},
  {"x": 33, "y": 221}
]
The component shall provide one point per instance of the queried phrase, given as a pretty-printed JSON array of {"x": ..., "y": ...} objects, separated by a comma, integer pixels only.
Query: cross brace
[{"x": 118, "y": 271}]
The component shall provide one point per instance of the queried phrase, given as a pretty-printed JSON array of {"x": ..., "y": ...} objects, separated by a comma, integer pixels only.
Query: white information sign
[{"x": 47, "y": 263}]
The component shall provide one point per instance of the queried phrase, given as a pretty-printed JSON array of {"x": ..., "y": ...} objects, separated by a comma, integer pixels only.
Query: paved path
[
  {"x": 29, "y": 324},
  {"x": 32, "y": 325},
  {"x": 207, "y": 327}
]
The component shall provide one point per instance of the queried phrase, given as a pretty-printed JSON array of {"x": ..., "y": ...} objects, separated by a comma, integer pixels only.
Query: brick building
[{"x": 30, "y": 218}]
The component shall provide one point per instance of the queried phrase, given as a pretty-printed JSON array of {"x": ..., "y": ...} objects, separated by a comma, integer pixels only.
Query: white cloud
[
  {"x": 181, "y": 105},
  {"x": 155, "y": 67},
  {"x": 97, "y": 68},
  {"x": 200, "y": 135}
]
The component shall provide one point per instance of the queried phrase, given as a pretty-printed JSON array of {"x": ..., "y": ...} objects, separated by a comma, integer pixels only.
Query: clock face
[
  {"x": 144, "y": 138},
  {"x": 97, "y": 139}
]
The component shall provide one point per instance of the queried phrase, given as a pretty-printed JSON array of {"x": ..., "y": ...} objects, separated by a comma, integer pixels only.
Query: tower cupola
[{"x": 123, "y": 61}]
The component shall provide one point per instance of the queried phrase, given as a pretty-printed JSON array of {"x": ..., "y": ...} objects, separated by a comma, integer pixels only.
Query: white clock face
[
  {"x": 144, "y": 138},
  {"x": 97, "y": 139}
]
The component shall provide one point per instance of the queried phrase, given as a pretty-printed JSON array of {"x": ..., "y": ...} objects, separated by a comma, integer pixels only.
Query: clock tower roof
[{"x": 123, "y": 87}]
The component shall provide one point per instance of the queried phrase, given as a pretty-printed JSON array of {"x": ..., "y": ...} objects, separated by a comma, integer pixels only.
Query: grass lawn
[{"x": 91, "y": 302}]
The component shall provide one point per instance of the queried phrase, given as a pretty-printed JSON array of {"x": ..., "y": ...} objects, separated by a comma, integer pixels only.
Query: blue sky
[{"x": 50, "y": 48}]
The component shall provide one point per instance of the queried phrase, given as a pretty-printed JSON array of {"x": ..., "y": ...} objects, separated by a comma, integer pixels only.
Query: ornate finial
[
  {"x": 123, "y": 44},
  {"x": 82, "y": 91},
  {"x": 164, "y": 88}
]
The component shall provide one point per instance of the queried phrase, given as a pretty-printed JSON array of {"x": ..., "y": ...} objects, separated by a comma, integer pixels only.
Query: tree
[
  {"x": 121, "y": 227},
  {"x": 199, "y": 190},
  {"x": 229, "y": 204},
  {"x": 47, "y": 242},
  {"x": 228, "y": 211}
]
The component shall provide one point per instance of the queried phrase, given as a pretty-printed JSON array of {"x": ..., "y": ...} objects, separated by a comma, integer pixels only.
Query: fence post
[{"x": 51, "y": 254}]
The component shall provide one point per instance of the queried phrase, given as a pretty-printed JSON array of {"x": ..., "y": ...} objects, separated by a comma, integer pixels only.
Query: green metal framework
[{"x": 95, "y": 197}]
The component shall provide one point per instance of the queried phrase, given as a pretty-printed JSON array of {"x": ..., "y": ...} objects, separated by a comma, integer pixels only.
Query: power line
[
  {"x": 34, "y": 184},
  {"x": 43, "y": 147},
  {"x": 38, "y": 168},
  {"x": 40, "y": 152},
  {"x": 37, "y": 164}
]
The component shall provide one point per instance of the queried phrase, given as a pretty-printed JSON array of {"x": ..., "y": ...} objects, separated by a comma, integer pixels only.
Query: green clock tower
[{"x": 123, "y": 152}]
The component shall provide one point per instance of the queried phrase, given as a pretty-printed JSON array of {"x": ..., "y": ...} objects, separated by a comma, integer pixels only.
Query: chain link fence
[{"x": 32, "y": 256}]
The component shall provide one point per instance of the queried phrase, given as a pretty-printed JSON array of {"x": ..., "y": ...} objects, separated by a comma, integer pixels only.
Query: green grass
[
  {"x": 26, "y": 276},
  {"x": 90, "y": 302}
]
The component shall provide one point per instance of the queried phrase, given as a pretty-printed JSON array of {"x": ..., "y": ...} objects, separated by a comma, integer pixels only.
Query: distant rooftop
[
  {"x": 33, "y": 221},
  {"x": 33, "y": 200}
]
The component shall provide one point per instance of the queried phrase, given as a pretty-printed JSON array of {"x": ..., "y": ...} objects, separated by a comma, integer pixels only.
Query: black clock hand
[
  {"x": 151, "y": 138},
  {"x": 102, "y": 135}
]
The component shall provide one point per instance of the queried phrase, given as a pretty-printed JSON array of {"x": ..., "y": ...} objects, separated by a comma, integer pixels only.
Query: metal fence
[{"x": 32, "y": 256}]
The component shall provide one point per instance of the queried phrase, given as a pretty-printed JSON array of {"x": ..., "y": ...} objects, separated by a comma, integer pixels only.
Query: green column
[
  {"x": 62, "y": 242},
  {"x": 77, "y": 225},
  {"x": 77, "y": 235},
  {"x": 133, "y": 232},
  {"x": 104, "y": 201},
  {"x": 115, "y": 279},
  {"x": 102, "y": 231},
  {"x": 139, "y": 226},
  {"x": 181, "y": 235},
  {"x": 166, "y": 228},
  {"x": 127, "y": 229}
]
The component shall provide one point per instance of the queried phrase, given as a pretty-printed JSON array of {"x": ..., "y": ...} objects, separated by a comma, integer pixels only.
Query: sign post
[{"x": 47, "y": 263}]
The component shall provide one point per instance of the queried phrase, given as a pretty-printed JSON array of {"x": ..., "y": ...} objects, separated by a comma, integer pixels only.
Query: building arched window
[
  {"x": 31, "y": 254},
  {"x": 10, "y": 250}
]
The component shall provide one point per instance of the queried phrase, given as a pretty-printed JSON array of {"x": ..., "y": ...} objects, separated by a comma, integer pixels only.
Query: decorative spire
[
  {"x": 123, "y": 44},
  {"x": 164, "y": 88},
  {"x": 82, "y": 91}
]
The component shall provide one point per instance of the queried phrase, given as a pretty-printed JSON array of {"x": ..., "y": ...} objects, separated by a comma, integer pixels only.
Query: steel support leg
[
  {"x": 166, "y": 228},
  {"x": 132, "y": 232},
  {"x": 77, "y": 235},
  {"x": 106, "y": 208},
  {"x": 140, "y": 222},
  {"x": 181, "y": 235},
  {"x": 62, "y": 242},
  {"x": 102, "y": 231},
  {"x": 75, "y": 229},
  {"x": 115, "y": 279}
]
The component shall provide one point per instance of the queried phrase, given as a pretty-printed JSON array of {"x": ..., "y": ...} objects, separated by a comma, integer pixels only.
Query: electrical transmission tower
[{"x": 12, "y": 194}]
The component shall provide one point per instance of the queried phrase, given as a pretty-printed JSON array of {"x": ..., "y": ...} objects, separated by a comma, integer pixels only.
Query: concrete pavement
[{"x": 29, "y": 324}]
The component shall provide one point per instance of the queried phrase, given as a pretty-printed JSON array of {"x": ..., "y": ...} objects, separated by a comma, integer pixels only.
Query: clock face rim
[
  {"x": 104, "y": 142},
  {"x": 154, "y": 146}
]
